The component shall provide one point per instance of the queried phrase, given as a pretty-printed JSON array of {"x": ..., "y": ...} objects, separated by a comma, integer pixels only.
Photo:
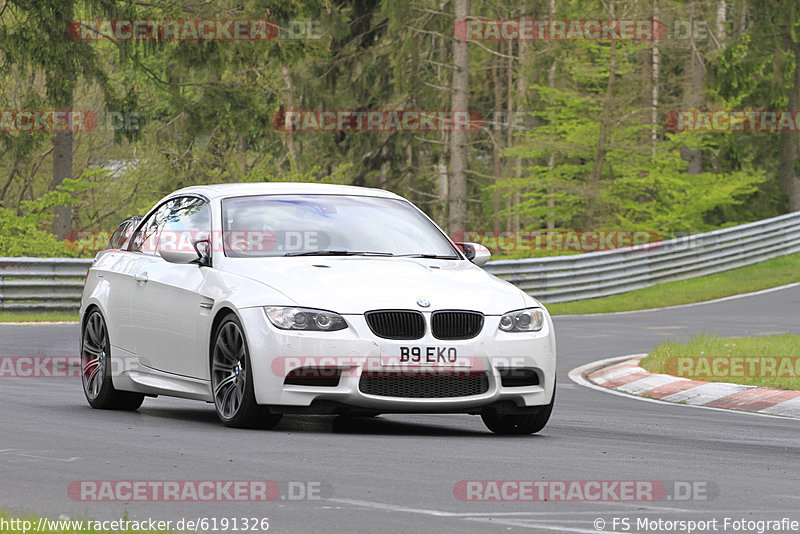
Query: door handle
[{"x": 141, "y": 277}]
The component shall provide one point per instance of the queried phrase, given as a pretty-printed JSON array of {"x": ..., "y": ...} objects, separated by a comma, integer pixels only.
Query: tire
[
  {"x": 519, "y": 424},
  {"x": 232, "y": 379},
  {"x": 96, "y": 369}
]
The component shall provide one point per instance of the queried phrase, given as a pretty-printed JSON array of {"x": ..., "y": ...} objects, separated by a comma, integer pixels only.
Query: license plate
[{"x": 405, "y": 355}]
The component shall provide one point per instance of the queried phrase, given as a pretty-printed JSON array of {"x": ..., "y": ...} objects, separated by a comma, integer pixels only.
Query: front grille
[
  {"x": 456, "y": 324},
  {"x": 396, "y": 324},
  {"x": 424, "y": 386}
]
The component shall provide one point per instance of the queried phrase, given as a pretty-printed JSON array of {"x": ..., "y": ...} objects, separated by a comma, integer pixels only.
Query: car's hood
[{"x": 353, "y": 285}]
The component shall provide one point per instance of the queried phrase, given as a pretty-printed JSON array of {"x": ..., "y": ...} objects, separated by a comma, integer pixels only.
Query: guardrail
[
  {"x": 598, "y": 274},
  {"x": 55, "y": 284},
  {"x": 42, "y": 284}
]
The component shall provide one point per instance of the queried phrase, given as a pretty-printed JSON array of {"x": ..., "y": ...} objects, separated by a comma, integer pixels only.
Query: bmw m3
[{"x": 282, "y": 298}]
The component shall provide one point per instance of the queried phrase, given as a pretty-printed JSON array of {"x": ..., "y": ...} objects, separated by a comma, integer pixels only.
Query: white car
[{"x": 282, "y": 298}]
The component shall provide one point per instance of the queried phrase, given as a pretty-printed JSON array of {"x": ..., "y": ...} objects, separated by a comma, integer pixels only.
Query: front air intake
[{"x": 440, "y": 385}]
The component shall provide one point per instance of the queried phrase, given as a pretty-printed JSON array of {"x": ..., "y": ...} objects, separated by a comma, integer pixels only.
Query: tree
[{"x": 458, "y": 137}]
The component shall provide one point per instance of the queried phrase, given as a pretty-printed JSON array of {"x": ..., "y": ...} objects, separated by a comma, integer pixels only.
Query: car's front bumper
[{"x": 274, "y": 353}]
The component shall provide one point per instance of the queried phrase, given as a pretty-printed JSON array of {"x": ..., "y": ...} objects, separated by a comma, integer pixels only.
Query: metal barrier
[
  {"x": 597, "y": 274},
  {"x": 55, "y": 284},
  {"x": 42, "y": 284}
]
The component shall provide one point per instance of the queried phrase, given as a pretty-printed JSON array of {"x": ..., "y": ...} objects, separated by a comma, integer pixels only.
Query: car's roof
[{"x": 281, "y": 188}]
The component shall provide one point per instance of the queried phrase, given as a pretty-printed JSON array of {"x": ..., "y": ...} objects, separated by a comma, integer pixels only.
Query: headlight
[
  {"x": 530, "y": 320},
  {"x": 305, "y": 319}
]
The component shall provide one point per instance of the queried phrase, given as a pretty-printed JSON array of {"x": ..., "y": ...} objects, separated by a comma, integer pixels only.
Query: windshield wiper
[
  {"x": 338, "y": 253},
  {"x": 428, "y": 256}
]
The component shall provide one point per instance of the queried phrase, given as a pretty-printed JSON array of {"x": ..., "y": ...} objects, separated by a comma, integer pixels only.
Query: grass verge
[
  {"x": 771, "y": 273},
  {"x": 44, "y": 317},
  {"x": 770, "y": 361}
]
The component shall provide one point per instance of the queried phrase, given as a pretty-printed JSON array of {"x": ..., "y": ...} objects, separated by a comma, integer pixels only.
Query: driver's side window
[
  {"x": 188, "y": 221},
  {"x": 145, "y": 240}
]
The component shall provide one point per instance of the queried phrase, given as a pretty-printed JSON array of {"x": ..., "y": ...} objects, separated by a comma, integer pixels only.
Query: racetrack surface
[{"x": 396, "y": 473}]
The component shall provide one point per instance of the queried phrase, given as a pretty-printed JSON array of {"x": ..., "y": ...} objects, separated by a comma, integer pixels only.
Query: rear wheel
[
  {"x": 519, "y": 424},
  {"x": 96, "y": 369},
  {"x": 232, "y": 379}
]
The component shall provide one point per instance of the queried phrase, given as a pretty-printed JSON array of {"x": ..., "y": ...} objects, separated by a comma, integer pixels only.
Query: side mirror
[
  {"x": 200, "y": 255},
  {"x": 179, "y": 256},
  {"x": 476, "y": 253}
]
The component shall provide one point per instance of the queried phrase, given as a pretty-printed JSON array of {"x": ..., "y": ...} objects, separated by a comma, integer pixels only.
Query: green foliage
[
  {"x": 205, "y": 112},
  {"x": 24, "y": 236},
  {"x": 24, "y": 233}
]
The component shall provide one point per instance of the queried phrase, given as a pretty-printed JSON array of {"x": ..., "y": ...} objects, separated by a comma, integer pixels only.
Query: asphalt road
[{"x": 397, "y": 473}]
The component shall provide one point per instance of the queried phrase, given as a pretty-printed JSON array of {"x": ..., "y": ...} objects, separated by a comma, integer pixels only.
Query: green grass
[
  {"x": 15, "y": 525},
  {"x": 771, "y": 361},
  {"x": 44, "y": 317},
  {"x": 771, "y": 273}
]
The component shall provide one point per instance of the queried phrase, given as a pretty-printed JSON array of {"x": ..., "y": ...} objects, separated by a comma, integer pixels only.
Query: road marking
[
  {"x": 395, "y": 508},
  {"x": 441, "y": 513},
  {"x": 43, "y": 323},
  {"x": 28, "y": 455},
  {"x": 48, "y": 458}
]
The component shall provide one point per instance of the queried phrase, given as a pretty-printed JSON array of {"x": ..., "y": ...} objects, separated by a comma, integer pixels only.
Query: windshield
[{"x": 297, "y": 225}]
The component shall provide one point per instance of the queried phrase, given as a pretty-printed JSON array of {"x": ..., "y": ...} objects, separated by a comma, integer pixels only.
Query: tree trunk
[
  {"x": 241, "y": 154},
  {"x": 61, "y": 90},
  {"x": 656, "y": 69},
  {"x": 693, "y": 90},
  {"x": 497, "y": 139},
  {"x": 790, "y": 141},
  {"x": 522, "y": 91},
  {"x": 383, "y": 177},
  {"x": 290, "y": 145},
  {"x": 722, "y": 17},
  {"x": 442, "y": 186},
  {"x": 509, "y": 132},
  {"x": 551, "y": 159},
  {"x": 457, "y": 217},
  {"x": 600, "y": 153}
]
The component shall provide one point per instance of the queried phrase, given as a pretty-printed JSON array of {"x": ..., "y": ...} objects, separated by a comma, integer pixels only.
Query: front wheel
[
  {"x": 96, "y": 369},
  {"x": 519, "y": 424},
  {"x": 232, "y": 379}
]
